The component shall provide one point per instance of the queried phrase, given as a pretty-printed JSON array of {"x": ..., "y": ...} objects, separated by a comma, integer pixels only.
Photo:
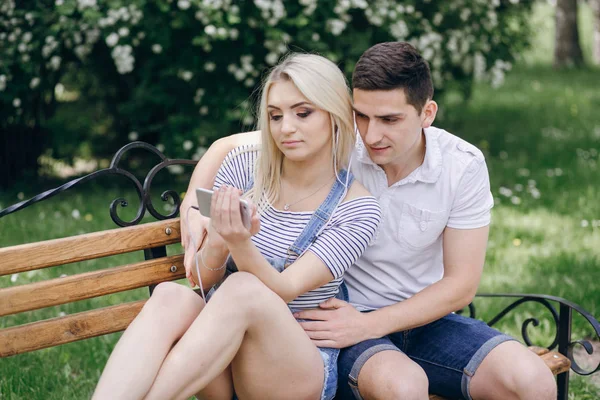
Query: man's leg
[
  {"x": 511, "y": 371},
  {"x": 377, "y": 369},
  {"x": 465, "y": 358}
]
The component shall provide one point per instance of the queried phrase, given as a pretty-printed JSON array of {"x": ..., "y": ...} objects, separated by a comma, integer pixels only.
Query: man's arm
[
  {"x": 342, "y": 325},
  {"x": 204, "y": 177},
  {"x": 464, "y": 256}
]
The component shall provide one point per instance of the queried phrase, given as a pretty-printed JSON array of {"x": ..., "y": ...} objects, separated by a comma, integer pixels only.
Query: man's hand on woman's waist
[{"x": 336, "y": 324}]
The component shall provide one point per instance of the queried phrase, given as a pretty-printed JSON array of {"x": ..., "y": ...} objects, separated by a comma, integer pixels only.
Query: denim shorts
[{"x": 449, "y": 350}]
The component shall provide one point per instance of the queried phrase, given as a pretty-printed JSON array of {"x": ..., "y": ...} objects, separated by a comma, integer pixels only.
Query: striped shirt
[{"x": 353, "y": 226}]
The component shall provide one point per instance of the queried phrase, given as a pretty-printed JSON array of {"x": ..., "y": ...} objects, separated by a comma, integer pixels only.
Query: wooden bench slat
[
  {"x": 556, "y": 362},
  {"x": 61, "y": 330},
  {"x": 67, "y": 250},
  {"x": 90, "y": 284}
]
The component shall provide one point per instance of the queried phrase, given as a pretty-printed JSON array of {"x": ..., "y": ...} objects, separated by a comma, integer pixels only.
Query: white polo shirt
[{"x": 450, "y": 189}]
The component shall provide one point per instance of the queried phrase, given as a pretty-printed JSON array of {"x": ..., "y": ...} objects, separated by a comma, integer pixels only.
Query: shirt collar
[{"x": 428, "y": 172}]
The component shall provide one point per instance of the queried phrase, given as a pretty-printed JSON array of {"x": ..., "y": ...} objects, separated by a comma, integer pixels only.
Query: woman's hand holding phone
[{"x": 226, "y": 217}]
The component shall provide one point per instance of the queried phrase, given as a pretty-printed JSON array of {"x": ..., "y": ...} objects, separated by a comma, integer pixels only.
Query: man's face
[{"x": 390, "y": 127}]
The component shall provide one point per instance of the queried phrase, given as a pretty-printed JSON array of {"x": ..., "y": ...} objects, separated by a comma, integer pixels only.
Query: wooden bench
[{"x": 152, "y": 238}]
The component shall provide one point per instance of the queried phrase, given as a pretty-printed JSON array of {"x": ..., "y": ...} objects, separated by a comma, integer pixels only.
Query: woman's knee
[
  {"x": 246, "y": 291},
  {"x": 172, "y": 299}
]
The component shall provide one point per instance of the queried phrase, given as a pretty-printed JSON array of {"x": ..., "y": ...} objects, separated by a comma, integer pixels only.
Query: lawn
[{"x": 540, "y": 132}]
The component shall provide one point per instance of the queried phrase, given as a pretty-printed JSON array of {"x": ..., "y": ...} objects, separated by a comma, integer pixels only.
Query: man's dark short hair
[{"x": 395, "y": 65}]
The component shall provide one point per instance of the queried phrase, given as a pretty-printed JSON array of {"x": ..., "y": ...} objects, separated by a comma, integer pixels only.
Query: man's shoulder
[{"x": 455, "y": 149}]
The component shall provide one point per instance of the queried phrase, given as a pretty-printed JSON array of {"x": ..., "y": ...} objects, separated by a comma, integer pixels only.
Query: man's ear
[{"x": 428, "y": 114}]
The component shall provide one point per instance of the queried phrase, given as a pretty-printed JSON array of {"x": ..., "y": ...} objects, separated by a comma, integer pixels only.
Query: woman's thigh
[{"x": 276, "y": 359}]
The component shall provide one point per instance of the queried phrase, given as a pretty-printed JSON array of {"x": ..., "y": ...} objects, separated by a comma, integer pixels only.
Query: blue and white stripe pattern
[{"x": 352, "y": 228}]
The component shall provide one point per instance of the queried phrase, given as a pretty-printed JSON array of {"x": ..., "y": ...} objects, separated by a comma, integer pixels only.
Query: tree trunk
[
  {"x": 596, "y": 11},
  {"x": 567, "y": 52}
]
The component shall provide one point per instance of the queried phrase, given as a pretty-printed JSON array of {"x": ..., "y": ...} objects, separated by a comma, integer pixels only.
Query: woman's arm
[
  {"x": 310, "y": 270},
  {"x": 206, "y": 169},
  {"x": 204, "y": 176}
]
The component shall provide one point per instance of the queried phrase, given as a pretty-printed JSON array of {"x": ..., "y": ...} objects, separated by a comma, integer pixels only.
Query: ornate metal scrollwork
[
  {"x": 143, "y": 191},
  {"x": 562, "y": 322}
]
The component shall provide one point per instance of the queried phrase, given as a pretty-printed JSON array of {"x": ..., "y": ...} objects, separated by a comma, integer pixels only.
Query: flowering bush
[{"x": 170, "y": 71}]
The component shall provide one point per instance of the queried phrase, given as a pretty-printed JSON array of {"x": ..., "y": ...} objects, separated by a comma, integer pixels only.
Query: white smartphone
[{"x": 204, "y": 197}]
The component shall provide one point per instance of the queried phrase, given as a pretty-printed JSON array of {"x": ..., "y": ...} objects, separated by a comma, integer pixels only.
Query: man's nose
[{"x": 373, "y": 133}]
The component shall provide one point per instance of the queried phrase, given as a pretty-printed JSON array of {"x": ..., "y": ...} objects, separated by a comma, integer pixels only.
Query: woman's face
[{"x": 300, "y": 130}]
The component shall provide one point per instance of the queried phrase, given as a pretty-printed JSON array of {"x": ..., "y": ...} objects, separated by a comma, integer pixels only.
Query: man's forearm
[
  {"x": 432, "y": 303},
  {"x": 208, "y": 166}
]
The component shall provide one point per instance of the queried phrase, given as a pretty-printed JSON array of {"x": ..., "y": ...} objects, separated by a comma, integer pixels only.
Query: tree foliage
[{"x": 174, "y": 71}]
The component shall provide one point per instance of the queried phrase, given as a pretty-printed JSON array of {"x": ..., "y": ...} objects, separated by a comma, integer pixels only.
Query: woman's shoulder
[
  {"x": 357, "y": 190},
  {"x": 244, "y": 151}
]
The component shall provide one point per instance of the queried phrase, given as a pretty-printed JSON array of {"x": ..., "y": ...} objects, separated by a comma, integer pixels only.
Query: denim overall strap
[{"x": 321, "y": 215}]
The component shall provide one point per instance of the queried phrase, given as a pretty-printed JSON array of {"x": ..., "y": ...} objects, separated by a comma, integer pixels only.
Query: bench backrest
[{"x": 50, "y": 253}]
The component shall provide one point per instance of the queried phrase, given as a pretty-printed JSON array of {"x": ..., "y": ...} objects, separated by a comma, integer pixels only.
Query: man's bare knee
[
  {"x": 511, "y": 371},
  {"x": 392, "y": 375}
]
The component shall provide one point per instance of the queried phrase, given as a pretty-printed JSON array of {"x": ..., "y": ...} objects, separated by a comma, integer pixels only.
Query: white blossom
[
  {"x": 336, "y": 26},
  {"x": 203, "y": 110},
  {"x": 35, "y": 82},
  {"x": 183, "y": 4},
  {"x": 209, "y": 66},
  {"x": 124, "y": 31},
  {"x": 187, "y": 145},
  {"x": 112, "y": 39},
  {"x": 157, "y": 48},
  {"x": 210, "y": 30},
  {"x": 239, "y": 74},
  {"x": 185, "y": 75},
  {"x": 504, "y": 191},
  {"x": 55, "y": 62},
  {"x": 133, "y": 136},
  {"x": 16, "y": 102},
  {"x": 123, "y": 57},
  {"x": 399, "y": 30},
  {"x": 83, "y": 4},
  {"x": 199, "y": 94}
]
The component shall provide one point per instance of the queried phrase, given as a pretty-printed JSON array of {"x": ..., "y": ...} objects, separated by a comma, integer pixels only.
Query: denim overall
[{"x": 319, "y": 218}]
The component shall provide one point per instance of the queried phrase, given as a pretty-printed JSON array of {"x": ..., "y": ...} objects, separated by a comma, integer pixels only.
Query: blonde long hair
[{"x": 325, "y": 86}]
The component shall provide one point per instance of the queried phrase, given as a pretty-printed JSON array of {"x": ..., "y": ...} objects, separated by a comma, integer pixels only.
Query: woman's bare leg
[
  {"x": 249, "y": 325},
  {"x": 140, "y": 352},
  {"x": 221, "y": 388}
]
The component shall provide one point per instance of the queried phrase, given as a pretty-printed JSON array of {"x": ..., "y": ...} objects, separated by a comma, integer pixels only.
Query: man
[{"x": 399, "y": 335}]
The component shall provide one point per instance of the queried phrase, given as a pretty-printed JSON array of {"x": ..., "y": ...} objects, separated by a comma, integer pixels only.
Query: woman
[{"x": 314, "y": 223}]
